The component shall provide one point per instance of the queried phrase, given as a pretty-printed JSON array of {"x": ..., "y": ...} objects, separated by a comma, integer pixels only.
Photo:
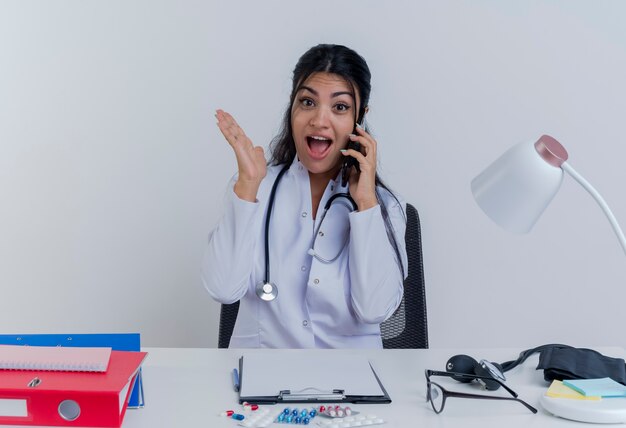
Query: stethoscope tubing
[
  {"x": 319, "y": 226},
  {"x": 270, "y": 205},
  {"x": 268, "y": 296}
]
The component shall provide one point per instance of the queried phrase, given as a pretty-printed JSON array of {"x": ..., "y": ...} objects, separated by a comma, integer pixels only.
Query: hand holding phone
[
  {"x": 349, "y": 162},
  {"x": 363, "y": 183}
]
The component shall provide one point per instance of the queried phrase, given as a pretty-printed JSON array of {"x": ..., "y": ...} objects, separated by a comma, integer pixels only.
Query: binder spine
[{"x": 64, "y": 409}]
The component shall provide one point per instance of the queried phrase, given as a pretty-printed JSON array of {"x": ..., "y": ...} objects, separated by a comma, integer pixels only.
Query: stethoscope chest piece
[{"x": 266, "y": 291}]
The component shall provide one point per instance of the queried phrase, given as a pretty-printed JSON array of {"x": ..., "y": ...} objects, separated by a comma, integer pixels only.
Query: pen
[{"x": 236, "y": 380}]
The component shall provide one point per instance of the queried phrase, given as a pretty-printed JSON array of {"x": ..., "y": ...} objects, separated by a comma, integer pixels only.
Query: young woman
[{"x": 313, "y": 250}]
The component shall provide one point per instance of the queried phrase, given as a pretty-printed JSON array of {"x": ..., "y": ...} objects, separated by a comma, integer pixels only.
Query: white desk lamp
[
  {"x": 518, "y": 186},
  {"x": 513, "y": 191}
]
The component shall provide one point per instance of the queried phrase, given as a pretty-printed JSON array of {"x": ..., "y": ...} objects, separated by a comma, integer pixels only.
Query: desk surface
[{"x": 190, "y": 387}]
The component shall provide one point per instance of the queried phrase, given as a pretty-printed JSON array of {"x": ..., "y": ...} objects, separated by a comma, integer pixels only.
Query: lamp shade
[{"x": 518, "y": 186}]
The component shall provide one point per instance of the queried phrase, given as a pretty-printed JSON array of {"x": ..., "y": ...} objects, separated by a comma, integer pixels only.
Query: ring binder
[
  {"x": 116, "y": 341},
  {"x": 57, "y": 398}
]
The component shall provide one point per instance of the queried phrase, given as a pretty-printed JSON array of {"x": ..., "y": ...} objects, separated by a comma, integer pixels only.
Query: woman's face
[{"x": 322, "y": 117}]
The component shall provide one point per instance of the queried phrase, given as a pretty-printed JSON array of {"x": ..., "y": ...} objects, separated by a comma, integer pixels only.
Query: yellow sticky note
[{"x": 558, "y": 390}]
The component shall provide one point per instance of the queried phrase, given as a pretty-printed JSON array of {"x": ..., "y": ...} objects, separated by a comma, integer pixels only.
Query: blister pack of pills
[
  {"x": 296, "y": 416},
  {"x": 351, "y": 421},
  {"x": 261, "y": 418},
  {"x": 336, "y": 411}
]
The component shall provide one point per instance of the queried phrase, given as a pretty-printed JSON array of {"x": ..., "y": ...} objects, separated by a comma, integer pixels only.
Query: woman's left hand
[{"x": 363, "y": 184}]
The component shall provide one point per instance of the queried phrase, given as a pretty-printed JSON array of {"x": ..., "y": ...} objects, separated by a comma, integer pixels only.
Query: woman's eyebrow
[
  {"x": 333, "y": 95},
  {"x": 313, "y": 91},
  {"x": 336, "y": 94}
]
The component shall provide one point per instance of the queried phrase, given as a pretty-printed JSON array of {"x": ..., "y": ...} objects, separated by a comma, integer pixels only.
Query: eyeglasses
[{"x": 437, "y": 395}]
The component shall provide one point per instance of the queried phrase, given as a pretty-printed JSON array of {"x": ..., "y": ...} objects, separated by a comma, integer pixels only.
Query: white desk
[{"x": 189, "y": 387}]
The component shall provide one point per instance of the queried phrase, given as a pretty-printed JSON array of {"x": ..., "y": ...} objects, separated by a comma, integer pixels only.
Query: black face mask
[{"x": 560, "y": 362}]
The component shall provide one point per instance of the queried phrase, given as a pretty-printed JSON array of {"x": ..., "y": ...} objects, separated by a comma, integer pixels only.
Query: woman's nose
[{"x": 320, "y": 118}]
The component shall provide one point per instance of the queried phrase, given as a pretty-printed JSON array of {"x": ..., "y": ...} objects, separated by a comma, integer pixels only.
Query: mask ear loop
[{"x": 523, "y": 356}]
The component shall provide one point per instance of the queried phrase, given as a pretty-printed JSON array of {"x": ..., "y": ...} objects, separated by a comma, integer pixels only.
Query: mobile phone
[{"x": 349, "y": 161}]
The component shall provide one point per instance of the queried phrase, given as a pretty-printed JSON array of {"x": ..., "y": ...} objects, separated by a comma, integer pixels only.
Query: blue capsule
[
  {"x": 280, "y": 417},
  {"x": 287, "y": 411},
  {"x": 312, "y": 413},
  {"x": 238, "y": 416},
  {"x": 298, "y": 419},
  {"x": 288, "y": 419},
  {"x": 306, "y": 421},
  {"x": 295, "y": 412}
]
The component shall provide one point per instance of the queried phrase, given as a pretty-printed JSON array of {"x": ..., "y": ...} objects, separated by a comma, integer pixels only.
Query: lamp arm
[{"x": 589, "y": 188}]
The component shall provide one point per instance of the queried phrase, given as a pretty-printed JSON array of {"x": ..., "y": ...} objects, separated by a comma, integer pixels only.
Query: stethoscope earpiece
[{"x": 266, "y": 291}]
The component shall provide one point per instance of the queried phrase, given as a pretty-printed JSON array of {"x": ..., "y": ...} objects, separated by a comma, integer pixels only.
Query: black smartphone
[{"x": 349, "y": 161}]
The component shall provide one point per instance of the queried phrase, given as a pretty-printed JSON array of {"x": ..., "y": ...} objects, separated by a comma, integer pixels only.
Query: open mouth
[{"x": 318, "y": 146}]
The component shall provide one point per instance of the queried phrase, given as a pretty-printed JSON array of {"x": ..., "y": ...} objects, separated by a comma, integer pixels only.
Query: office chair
[
  {"x": 407, "y": 327},
  {"x": 228, "y": 316}
]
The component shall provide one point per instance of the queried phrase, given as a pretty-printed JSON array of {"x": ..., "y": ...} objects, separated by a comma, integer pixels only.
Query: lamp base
[{"x": 605, "y": 411}]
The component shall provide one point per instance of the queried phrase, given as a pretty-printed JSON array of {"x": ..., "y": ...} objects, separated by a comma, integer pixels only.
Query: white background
[{"x": 112, "y": 170}]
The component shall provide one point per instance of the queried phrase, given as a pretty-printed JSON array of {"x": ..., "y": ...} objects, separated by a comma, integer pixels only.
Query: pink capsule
[
  {"x": 347, "y": 411},
  {"x": 254, "y": 407},
  {"x": 227, "y": 413},
  {"x": 322, "y": 409}
]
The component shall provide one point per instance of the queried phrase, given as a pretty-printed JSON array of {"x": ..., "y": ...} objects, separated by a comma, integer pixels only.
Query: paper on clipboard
[{"x": 265, "y": 375}]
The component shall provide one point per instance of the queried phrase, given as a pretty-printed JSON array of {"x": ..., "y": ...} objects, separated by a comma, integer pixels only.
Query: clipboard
[
  {"x": 116, "y": 341},
  {"x": 309, "y": 378}
]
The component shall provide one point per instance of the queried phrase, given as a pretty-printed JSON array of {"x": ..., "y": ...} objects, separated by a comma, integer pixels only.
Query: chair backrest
[
  {"x": 228, "y": 316},
  {"x": 407, "y": 327}
]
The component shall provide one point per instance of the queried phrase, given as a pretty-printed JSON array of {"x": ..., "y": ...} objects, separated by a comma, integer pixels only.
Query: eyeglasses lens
[{"x": 435, "y": 395}]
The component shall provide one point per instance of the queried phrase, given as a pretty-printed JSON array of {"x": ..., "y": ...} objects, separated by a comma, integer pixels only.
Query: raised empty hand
[{"x": 251, "y": 161}]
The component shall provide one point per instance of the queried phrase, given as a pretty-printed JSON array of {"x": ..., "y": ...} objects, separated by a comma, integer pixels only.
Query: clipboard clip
[{"x": 311, "y": 394}]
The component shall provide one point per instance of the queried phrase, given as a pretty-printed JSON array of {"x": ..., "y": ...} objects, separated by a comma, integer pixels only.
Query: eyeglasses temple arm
[
  {"x": 489, "y": 397},
  {"x": 469, "y": 376}
]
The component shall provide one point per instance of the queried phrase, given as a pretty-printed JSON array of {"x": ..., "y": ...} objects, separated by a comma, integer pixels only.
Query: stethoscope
[{"x": 265, "y": 289}]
